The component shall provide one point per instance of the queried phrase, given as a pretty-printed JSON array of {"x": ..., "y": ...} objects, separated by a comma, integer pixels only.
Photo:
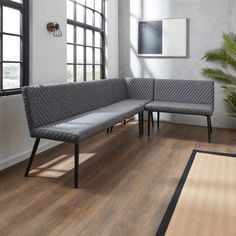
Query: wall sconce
[{"x": 54, "y": 28}]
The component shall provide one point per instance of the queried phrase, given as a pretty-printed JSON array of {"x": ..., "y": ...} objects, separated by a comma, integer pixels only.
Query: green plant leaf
[
  {"x": 219, "y": 76},
  {"x": 220, "y": 56},
  {"x": 230, "y": 42},
  {"x": 230, "y": 107},
  {"x": 224, "y": 57}
]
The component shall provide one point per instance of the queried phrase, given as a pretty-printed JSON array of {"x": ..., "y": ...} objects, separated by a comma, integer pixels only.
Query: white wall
[
  {"x": 48, "y": 54},
  {"x": 207, "y": 20},
  {"x": 112, "y": 45},
  {"x": 47, "y": 65}
]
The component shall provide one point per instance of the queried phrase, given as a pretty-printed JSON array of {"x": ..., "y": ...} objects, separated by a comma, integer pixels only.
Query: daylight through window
[
  {"x": 14, "y": 46},
  {"x": 85, "y": 40}
]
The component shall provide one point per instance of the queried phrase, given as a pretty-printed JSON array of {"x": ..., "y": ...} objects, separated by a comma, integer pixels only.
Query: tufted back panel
[
  {"x": 140, "y": 88},
  {"x": 184, "y": 91},
  {"x": 47, "y": 104},
  {"x": 119, "y": 89}
]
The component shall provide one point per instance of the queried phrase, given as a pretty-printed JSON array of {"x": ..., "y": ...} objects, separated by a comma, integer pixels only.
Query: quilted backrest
[
  {"x": 45, "y": 104},
  {"x": 184, "y": 91},
  {"x": 119, "y": 89},
  {"x": 140, "y": 88}
]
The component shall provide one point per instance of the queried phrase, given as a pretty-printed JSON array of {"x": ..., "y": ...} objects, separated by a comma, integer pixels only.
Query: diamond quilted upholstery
[
  {"x": 80, "y": 127},
  {"x": 47, "y": 104},
  {"x": 183, "y": 108},
  {"x": 140, "y": 88},
  {"x": 119, "y": 89},
  {"x": 184, "y": 91}
]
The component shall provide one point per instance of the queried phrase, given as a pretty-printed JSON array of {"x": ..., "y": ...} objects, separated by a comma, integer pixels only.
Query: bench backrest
[
  {"x": 45, "y": 104},
  {"x": 119, "y": 89},
  {"x": 140, "y": 88},
  {"x": 184, "y": 91}
]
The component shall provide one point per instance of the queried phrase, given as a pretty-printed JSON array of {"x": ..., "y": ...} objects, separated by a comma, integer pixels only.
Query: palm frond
[
  {"x": 219, "y": 76},
  {"x": 230, "y": 42},
  {"x": 225, "y": 56},
  {"x": 230, "y": 107},
  {"x": 230, "y": 100},
  {"x": 220, "y": 56}
]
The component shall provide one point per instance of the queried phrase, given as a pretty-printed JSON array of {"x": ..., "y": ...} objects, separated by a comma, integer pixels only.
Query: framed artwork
[{"x": 163, "y": 38}]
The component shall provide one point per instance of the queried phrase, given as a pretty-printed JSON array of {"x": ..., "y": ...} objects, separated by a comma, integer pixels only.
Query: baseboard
[{"x": 21, "y": 157}]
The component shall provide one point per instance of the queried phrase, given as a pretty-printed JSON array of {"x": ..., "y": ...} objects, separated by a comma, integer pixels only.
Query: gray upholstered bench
[
  {"x": 75, "y": 111},
  {"x": 193, "y": 97}
]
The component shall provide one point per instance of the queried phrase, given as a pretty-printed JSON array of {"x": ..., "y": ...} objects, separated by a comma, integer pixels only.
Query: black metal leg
[
  {"x": 111, "y": 129},
  {"x": 76, "y": 165},
  {"x": 108, "y": 130},
  {"x": 139, "y": 124},
  {"x": 124, "y": 122},
  {"x": 149, "y": 118},
  {"x": 36, "y": 144},
  {"x": 142, "y": 115},
  {"x": 209, "y": 128},
  {"x": 152, "y": 119},
  {"x": 210, "y": 124},
  {"x": 158, "y": 119}
]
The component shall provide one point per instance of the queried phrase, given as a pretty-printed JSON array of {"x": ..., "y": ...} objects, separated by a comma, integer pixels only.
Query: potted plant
[{"x": 225, "y": 73}]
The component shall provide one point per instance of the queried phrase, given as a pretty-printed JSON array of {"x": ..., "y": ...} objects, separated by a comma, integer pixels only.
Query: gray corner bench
[{"x": 75, "y": 111}]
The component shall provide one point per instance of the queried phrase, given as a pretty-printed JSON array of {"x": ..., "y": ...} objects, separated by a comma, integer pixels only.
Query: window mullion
[
  {"x": 85, "y": 48},
  {"x": 74, "y": 46}
]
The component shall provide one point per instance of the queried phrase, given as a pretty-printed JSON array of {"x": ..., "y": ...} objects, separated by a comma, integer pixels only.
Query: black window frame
[
  {"x": 24, "y": 51},
  {"x": 94, "y": 29}
]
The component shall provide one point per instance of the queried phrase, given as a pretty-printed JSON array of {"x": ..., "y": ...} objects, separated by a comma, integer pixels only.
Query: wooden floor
[{"x": 125, "y": 184}]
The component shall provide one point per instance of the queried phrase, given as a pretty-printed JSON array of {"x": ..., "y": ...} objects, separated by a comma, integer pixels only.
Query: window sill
[{"x": 10, "y": 92}]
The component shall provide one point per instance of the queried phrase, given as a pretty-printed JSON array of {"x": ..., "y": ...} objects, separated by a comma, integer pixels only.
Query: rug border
[{"x": 174, "y": 200}]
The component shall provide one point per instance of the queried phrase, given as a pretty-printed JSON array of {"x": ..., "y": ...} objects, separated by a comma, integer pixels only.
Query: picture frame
[{"x": 165, "y": 37}]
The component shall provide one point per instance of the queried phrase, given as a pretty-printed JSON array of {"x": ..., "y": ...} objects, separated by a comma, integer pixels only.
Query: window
[
  {"x": 85, "y": 40},
  {"x": 14, "y": 43}
]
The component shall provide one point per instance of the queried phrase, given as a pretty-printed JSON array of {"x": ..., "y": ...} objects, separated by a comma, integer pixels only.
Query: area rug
[{"x": 204, "y": 202}]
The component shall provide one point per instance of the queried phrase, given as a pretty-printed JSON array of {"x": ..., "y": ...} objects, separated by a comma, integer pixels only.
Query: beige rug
[{"x": 204, "y": 202}]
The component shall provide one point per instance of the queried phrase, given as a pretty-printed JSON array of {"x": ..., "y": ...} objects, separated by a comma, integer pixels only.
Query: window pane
[
  {"x": 89, "y": 55},
  {"x": 81, "y": 1},
  {"x": 80, "y": 54},
  {"x": 70, "y": 53},
  {"x": 11, "y": 20},
  {"x": 97, "y": 39},
  {"x": 89, "y": 73},
  {"x": 98, "y": 20},
  {"x": 97, "y": 56},
  {"x": 89, "y": 38},
  {"x": 89, "y": 17},
  {"x": 11, "y": 48},
  {"x": 70, "y": 10},
  {"x": 19, "y": 1},
  {"x": 79, "y": 13},
  {"x": 70, "y": 73},
  {"x": 90, "y": 3},
  {"x": 97, "y": 72},
  {"x": 80, "y": 35},
  {"x": 98, "y": 5},
  {"x": 11, "y": 75},
  {"x": 70, "y": 33},
  {"x": 80, "y": 73}
]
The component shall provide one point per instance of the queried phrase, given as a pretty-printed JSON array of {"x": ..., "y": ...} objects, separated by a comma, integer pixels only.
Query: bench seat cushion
[
  {"x": 184, "y": 108},
  {"x": 82, "y": 126}
]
